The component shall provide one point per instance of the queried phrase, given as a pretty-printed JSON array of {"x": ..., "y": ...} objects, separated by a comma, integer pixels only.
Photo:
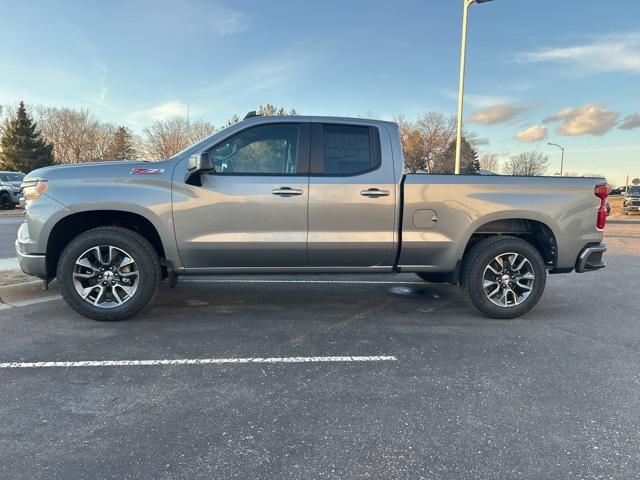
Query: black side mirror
[
  {"x": 196, "y": 165},
  {"x": 200, "y": 163}
]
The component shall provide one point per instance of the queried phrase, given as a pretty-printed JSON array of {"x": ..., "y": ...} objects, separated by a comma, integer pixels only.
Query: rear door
[
  {"x": 251, "y": 212},
  {"x": 352, "y": 197}
]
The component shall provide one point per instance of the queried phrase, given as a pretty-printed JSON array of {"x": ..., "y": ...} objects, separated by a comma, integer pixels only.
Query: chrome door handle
[
  {"x": 374, "y": 193},
  {"x": 286, "y": 191}
]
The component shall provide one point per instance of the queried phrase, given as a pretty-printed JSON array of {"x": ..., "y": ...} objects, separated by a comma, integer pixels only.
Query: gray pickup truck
[{"x": 301, "y": 194}]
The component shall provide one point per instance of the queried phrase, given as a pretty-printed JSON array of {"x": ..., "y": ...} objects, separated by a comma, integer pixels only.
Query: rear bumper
[{"x": 590, "y": 258}]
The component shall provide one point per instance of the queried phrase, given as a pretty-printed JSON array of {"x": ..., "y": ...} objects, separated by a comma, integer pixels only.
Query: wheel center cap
[
  {"x": 505, "y": 279},
  {"x": 108, "y": 276}
]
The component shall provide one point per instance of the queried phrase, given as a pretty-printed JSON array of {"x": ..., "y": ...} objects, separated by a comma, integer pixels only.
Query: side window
[
  {"x": 261, "y": 150},
  {"x": 348, "y": 150}
]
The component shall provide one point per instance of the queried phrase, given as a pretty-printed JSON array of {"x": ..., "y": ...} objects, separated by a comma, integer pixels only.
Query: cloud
[
  {"x": 606, "y": 53},
  {"x": 479, "y": 101},
  {"x": 225, "y": 21},
  {"x": 631, "y": 122},
  {"x": 496, "y": 114},
  {"x": 589, "y": 119},
  {"x": 533, "y": 134},
  {"x": 162, "y": 111},
  {"x": 260, "y": 75}
]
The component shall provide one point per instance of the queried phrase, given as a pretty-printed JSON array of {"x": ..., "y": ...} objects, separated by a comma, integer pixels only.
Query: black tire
[
  {"x": 477, "y": 260},
  {"x": 434, "y": 277},
  {"x": 6, "y": 202},
  {"x": 138, "y": 248}
]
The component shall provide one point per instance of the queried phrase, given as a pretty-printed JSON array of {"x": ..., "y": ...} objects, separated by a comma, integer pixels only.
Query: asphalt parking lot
[{"x": 444, "y": 393}]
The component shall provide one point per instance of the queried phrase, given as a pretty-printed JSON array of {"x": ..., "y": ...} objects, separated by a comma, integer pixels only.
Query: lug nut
[
  {"x": 104, "y": 283},
  {"x": 113, "y": 282}
]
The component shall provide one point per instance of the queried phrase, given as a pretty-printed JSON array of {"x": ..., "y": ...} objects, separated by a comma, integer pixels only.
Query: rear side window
[{"x": 348, "y": 150}]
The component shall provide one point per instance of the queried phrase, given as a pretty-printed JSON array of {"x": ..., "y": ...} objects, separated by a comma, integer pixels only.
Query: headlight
[{"x": 34, "y": 189}]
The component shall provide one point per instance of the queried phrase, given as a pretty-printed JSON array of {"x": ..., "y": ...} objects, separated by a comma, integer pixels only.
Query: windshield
[
  {"x": 634, "y": 190},
  {"x": 11, "y": 177}
]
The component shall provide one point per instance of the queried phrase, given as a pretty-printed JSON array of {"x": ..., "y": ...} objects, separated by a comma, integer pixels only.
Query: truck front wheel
[
  {"x": 108, "y": 273},
  {"x": 503, "y": 277}
]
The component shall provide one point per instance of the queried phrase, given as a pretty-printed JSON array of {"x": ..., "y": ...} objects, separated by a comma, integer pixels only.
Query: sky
[{"x": 562, "y": 71}]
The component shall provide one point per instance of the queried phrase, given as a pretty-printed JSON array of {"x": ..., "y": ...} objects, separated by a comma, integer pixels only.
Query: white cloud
[
  {"x": 496, "y": 114},
  {"x": 589, "y": 119},
  {"x": 631, "y": 122},
  {"x": 260, "y": 75},
  {"x": 225, "y": 21},
  {"x": 162, "y": 111},
  {"x": 533, "y": 134},
  {"x": 479, "y": 101},
  {"x": 608, "y": 53}
]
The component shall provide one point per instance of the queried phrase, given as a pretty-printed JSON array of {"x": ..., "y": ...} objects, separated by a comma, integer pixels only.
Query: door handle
[
  {"x": 286, "y": 191},
  {"x": 374, "y": 193}
]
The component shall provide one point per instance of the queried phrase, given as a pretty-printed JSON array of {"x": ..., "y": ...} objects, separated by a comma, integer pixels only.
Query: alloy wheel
[
  {"x": 106, "y": 276},
  {"x": 508, "y": 279}
]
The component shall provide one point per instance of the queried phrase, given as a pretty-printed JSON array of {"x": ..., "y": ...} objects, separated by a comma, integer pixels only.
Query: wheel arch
[{"x": 72, "y": 225}]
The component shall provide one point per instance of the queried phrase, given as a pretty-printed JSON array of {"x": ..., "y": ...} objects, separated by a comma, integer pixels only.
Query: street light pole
[
  {"x": 561, "y": 158},
  {"x": 463, "y": 57}
]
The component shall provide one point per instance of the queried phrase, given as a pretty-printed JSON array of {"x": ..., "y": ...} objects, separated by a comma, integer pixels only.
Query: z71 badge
[{"x": 146, "y": 171}]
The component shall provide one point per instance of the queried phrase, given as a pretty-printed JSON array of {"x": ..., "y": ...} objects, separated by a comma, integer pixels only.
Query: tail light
[{"x": 602, "y": 192}]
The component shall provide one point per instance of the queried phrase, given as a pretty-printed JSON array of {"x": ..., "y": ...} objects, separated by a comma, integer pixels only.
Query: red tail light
[{"x": 602, "y": 192}]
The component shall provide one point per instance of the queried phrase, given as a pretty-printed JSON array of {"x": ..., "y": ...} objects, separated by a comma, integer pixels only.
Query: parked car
[
  {"x": 10, "y": 190},
  {"x": 632, "y": 200},
  {"x": 618, "y": 191},
  {"x": 302, "y": 195}
]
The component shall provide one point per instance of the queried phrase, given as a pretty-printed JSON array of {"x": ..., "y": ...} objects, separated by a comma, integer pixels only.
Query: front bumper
[
  {"x": 30, "y": 264},
  {"x": 590, "y": 259}
]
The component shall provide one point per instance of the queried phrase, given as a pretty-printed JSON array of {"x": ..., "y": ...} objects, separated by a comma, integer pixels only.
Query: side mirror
[
  {"x": 200, "y": 163},
  {"x": 196, "y": 165}
]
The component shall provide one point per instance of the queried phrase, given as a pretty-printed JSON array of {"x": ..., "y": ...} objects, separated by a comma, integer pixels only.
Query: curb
[{"x": 28, "y": 293}]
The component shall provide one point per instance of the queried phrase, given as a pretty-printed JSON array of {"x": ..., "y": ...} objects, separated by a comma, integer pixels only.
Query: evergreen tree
[
  {"x": 469, "y": 162},
  {"x": 121, "y": 147},
  {"x": 22, "y": 147}
]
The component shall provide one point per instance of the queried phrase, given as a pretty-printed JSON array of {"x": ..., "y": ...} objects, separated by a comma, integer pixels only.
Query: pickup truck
[{"x": 290, "y": 195}]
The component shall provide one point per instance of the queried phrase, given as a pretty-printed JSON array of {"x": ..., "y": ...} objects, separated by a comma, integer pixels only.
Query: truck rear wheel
[
  {"x": 108, "y": 273},
  {"x": 503, "y": 277}
]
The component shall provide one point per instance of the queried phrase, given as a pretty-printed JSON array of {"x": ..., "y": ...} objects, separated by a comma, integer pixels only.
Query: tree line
[{"x": 59, "y": 135}]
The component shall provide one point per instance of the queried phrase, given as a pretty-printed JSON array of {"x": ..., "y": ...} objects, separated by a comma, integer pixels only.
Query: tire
[
  {"x": 132, "y": 273},
  {"x": 481, "y": 274},
  {"x": 6, "y": 202}
]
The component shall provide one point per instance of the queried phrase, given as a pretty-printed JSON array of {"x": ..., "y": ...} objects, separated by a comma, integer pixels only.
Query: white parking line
[
  {"x": 352, "y": 282},
  {"x": 197, "y": 361}
]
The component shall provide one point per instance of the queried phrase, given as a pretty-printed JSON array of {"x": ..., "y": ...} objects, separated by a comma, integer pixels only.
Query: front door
[{"x": 251, "y": 212}]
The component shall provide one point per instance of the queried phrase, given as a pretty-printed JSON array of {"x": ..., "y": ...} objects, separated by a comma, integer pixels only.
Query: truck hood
[{"x": 117, "y": 169}]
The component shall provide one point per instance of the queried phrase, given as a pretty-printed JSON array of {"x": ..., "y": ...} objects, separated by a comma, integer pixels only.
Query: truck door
[
  {"x": 352, "y": 197},
  {"x": 251, "y": 212}
]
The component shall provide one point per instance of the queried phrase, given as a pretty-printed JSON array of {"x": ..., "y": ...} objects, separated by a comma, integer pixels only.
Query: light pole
[
  {"x": 561, "y": 158},
  {"x": 463, "y": 56}
]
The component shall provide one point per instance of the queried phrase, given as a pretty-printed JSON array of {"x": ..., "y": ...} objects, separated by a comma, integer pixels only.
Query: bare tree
[
  {"x": 426, "y": 141},
  {"x": 163, "y": 139},
  {"x": 77, "y": 135},
  {"x": 527, "y": 164},
  {"x": 490, "y": 162}
]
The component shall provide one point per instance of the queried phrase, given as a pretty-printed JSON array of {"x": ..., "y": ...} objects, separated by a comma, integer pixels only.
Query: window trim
[
  {"x": 317, "y": 154},
  {"x": 302, "y": 153}
]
